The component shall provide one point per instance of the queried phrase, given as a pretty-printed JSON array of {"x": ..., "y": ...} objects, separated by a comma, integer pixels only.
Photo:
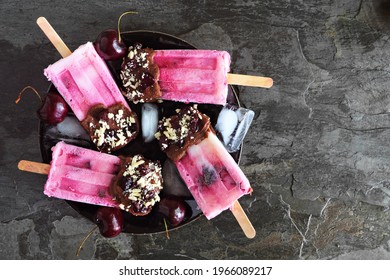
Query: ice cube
[
  {"x": 72, "y": 128},
  {"x": 226, "y": 123},
  {"x": 69, "y": 130},
  {"x": 149, "y": 121},
  {"x": 245, "y": 118},
  {"x": 233, "y": 129}
]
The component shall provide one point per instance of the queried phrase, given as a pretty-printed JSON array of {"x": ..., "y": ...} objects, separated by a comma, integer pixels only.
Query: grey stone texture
[{"x": 316, "y": 154}]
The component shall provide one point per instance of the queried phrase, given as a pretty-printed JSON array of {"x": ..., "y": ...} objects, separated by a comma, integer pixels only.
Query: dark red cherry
[
  {"x": 54, "y": 108},
  {"x": 173, "y": 208},
  {"x": 109, "y": 221},
  {"x": 108, "y": 45}
]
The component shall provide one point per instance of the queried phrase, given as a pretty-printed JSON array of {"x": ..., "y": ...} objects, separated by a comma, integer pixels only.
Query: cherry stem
[
  {"x": 23, "y": 90},
  {"x": 85, "y": 239},
  {"x": 166, "y": 229},
  {"x": 119, "y": 20}
]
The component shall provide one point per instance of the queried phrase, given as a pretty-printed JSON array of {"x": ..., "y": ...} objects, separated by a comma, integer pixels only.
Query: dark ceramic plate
[{"x": 50, "y": 135}]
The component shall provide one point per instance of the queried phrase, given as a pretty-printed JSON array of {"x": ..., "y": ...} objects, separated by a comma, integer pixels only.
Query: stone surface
[{"x": 317, "y": 153}]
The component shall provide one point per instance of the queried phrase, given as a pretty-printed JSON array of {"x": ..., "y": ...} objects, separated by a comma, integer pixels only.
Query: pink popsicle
[
  {"x": 133, "y": 183},
  {"x": 193, "y": 75},
  {"x": 86, "y": 84},
  {"x": 209, "y": 171},
  {"x": 212, "y": 176},
  {"x": 84, "y": 80},
  {"x": 198, "y": 76},
  {"x": 82, "y": 175}
]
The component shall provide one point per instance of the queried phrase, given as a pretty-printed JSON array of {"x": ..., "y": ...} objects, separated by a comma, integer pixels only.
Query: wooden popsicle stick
[
  {"x": 34, "y": 167},
  {"x": 54, "y": 38},
  {"x": 243, "y": 220},
  {"x": 248, "y": 80}
]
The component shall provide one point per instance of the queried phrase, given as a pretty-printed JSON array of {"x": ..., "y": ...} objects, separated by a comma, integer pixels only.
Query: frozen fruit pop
[
  {"x": 85, "y": 82},
  {"x": 82, "y": 175},
  {"x": 87, "y": 176},
  {"x": 212, "y": 176},
  {"x": 199, "y": 76},
  {"x": 210, "y": 173}
]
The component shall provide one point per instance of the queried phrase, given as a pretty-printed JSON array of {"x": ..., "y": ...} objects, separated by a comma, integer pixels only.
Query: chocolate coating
[
  {"x": 185, "y": 128},
  {"x": 139, "y": 75},
  {"x": 137, "y": 187},
  {"x": 111, "y": 128}
]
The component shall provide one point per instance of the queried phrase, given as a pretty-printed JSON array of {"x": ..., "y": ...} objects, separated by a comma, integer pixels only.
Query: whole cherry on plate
[
  {"x": 53, "y": 109},
  {"x": 109, "y": 46},
  {"x": 173, "y": 208},
  {"x": 109, "y": 220}
]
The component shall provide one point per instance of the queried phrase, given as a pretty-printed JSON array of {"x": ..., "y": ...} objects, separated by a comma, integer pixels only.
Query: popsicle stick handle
[
  {"x": 34, "y": 167},
  {"x": 243, "y": 220},
  {"x": 248, "y": 80},
  {"x": 54, "y": 38}
]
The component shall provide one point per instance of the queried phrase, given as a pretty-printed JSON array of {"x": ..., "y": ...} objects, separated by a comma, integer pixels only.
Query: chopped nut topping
[
  {"x": 139, "y": 75},
  {"x": 111, "y": 128},
  {"x": 185, "y": 128},
  {"x": 138, "y": 185},
  {"x": 177, "y": 127}
]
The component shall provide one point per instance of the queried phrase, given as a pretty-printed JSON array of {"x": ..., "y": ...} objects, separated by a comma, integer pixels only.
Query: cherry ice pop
[
  {"x": 209, "y": 171},
  {"x": 85, "y": 82},
  {"x": 84, "y": 175},
  {"x": 199, "y": 76}
]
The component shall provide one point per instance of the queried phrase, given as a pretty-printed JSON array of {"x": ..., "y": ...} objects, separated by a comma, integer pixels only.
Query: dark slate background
[{"x": 317, "y": 152}]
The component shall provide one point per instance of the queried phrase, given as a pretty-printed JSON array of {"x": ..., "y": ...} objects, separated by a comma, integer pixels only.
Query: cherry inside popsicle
[
  {"x": 87, "y": 176},
  {"x": 210, "y": 173},
  {"x": 199, "y": 76},
  {"x": 85, "y": 82}
]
